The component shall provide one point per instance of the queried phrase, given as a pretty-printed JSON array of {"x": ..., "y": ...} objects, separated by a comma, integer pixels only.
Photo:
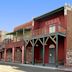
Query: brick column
[
  {"x": 13, "y": 54},
  {"x": 22, "y": 54},
  {"x": 5, "y": 55}
]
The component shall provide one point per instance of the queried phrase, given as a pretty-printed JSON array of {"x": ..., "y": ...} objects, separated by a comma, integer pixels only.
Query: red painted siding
[
  {"x": 36, "y": 53},
  {"x": 46, "y": 54},
  {"x": 61, "y": 49},
  {"x": 55, "y": 19}
]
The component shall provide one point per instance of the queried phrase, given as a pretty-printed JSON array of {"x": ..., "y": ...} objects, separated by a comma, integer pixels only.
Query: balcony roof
[
  {"x": 50, "y": 13},
  {"x": 20, "y": 30},
  {"x": 11, "y": 33},
  {"x": 23, "y": 26}
]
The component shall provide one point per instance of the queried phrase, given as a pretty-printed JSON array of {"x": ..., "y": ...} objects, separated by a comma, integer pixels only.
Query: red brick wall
[
  {"x": 18, "y": 55},
  {"x": 9, "y": 55},
  {"x": 29, "y": 55},
  {"x": 69, "y": 38},
  {"x": 55, "y": 19},
  {"x": 46, "y": 57},
  {"x": 61, "y": 50},
  {"x": 36, "y": 53}
]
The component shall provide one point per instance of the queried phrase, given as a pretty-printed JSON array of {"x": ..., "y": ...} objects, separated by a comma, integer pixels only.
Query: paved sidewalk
[{"x": 60, "y": 68}]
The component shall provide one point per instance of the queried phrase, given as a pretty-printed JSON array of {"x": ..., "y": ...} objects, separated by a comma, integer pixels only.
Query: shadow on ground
[{"x": 30, "y": 69}]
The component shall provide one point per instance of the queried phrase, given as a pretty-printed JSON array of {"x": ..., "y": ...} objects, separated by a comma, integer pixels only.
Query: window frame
[{"x": 52, "y": 28}]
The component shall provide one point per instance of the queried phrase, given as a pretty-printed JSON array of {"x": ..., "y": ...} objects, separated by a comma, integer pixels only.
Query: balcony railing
[
  {"x": 14, "y": 44},
  {"x": 47, "y": 30},
  {"x": 17, "y": 41}
]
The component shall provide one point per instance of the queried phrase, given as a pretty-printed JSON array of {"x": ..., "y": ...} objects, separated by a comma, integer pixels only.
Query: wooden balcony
[
  {"x": 28, "y": 36},
  {"x": 46, "y": 30},
  {"x": 18, "y": 42},
  {"x": 12, "y": 44}
]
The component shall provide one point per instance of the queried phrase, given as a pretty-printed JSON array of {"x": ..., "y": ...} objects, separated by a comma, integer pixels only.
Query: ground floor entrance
[{"x": 51, "y": 55}]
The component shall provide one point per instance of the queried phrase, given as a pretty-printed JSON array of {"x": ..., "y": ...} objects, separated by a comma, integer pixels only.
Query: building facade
[
  {"x": 2, "y": 44},
  {"x": 45, "y": 40}
]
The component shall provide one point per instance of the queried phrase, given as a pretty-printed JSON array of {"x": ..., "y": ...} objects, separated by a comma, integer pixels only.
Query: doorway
[{"x": 51, "y": 55}]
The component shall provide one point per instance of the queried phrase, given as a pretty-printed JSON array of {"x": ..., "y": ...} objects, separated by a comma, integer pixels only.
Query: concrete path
[{"x": 8, "y": 67}]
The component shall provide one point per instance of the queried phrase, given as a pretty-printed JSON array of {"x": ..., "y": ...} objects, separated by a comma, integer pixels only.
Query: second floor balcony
[
  {"x": 18, "y": 40},
  {"x": 53, "y": 28}
]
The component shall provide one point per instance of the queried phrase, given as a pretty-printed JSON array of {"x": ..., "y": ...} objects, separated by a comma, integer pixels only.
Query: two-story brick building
[{"x": 45, "y": 40}]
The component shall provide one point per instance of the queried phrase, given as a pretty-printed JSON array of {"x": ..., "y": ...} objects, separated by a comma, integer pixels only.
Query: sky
[{"x": 17, "y": 12}]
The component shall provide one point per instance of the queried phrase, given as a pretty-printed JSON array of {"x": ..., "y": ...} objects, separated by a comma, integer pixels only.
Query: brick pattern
[
  {"x": 2, "y": 56},
  {"x": 9, "y": 55},
  {"x": 69, "y": 39},
  {"x": 18, "y": 55},
  {"x": 28, "y": 55}
]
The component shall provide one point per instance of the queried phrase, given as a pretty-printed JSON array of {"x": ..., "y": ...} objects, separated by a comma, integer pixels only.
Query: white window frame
[{"x": 52, "y": 29}]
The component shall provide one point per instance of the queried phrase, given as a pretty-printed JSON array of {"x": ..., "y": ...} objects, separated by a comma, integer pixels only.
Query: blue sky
[{"x": 17, "y": 12}]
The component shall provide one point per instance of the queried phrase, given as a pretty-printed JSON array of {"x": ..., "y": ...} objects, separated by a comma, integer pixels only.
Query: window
[{"x": 52, "y": 29}]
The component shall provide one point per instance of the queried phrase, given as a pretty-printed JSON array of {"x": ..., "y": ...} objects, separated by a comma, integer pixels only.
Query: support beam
[
  {"x": 27, "y": 41},
  {"x": 5, "y": 55},
  {"x": 43, "y": 50},
  {"x": 53, "y": 39},
  {"x": 46, "y": 39},
  {"x": 56, "y": 50},
  {"x": 31, "y": 42},
  {"x": 40, "y": 41},
  {"x": 23, "y": 54},
  {"x": 23, "y": 33},
  {"x": 36, "y": 41},
  {"x": 10, "y": 38},
  {"x": 16, "y": 36},
  {"x": 33, "y": 53},
  {"x": 13, "y": 54}
]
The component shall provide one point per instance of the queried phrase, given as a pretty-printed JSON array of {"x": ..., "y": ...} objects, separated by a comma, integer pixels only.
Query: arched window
[{"x": 52, "y": 46}]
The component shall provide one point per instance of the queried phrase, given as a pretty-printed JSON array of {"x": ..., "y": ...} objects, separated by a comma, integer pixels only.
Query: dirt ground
[
  {"x": 18, "y": 68},
  {"x": 5, "y": 68}
]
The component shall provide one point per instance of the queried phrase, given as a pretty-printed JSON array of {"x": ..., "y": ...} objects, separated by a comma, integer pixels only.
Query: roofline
[
  {"x": 15, "y": 28},
  {"x": 50, "y": 13}
]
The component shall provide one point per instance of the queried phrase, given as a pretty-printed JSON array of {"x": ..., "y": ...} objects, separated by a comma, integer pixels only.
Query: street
[{"x": 18, "y": 68}]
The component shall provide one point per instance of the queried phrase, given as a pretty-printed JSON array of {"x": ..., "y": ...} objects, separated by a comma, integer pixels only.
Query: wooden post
[
  {"x": 16, "y": 36},
  {"x": 13, "y": 54},
  {"x": 25, "y": 54},
  {"x": 23, "y": 34},
  {"x": 43, "y": 50},
  {"x": 5, "y": 55},
  {"x": 22, "y": 54},
  {"x": 32, "y": 28},
  {"x": 56, "y": 50},
  {"x": 33, "y": 53},
  {"x": 13, "y": 38}
]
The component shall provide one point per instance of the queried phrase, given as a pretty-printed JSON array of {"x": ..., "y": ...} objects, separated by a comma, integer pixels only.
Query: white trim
[
  {"x": 66, "y": 8},
  {"x": 52, "y": 28}
]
